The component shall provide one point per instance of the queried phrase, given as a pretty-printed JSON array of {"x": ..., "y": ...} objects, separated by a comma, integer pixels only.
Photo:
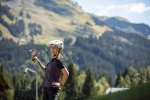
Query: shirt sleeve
[
  {"x": 60, "y": 63},
  {"x": 47, "y": 64}
]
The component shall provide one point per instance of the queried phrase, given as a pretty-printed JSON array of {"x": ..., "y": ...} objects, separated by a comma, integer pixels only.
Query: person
[{"x": 56, "y": 73}]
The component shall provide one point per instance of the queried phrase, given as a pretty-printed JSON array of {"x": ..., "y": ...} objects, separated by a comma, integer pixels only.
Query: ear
[{"x": 59, "y": 50}]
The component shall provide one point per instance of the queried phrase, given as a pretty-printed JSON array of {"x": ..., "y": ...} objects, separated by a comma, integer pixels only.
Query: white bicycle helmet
[{"x": 58, "y": 43}]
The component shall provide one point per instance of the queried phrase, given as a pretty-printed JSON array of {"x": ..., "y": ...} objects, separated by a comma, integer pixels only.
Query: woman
[{"x": 56, "y": 73}]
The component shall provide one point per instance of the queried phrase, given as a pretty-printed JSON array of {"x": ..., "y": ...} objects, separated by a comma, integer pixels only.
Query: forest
[{"x": 114, "y": 59}]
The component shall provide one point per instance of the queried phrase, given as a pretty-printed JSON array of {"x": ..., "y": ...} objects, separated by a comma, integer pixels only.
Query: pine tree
[
  {"x": 121, "y": 82},
  {"x": 143, "y": 75},
  {"x": 148, "y": 73},
  {"x": 88, "y": 86},
  {"x": 134, "y": 76},
  {"x": 6, "y": 87},
  {"x": 127, "y": 81},
  {"x": 72, "y": 84}
]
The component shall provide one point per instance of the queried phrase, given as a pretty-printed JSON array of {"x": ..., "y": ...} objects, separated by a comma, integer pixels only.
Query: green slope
[
  {"x": 50, "y": 18},
  {"x": 140, "y": 92},
  {"x": 111, "y": 53}
]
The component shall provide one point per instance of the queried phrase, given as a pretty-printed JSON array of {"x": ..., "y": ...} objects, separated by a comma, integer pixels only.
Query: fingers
[
  {"x": 35, "y": 58},
  {"x": 33, "y": 53},
  {"x": 56, "y": 84}
]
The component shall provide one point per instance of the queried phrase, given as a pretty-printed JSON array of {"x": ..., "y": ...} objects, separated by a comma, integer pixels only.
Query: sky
[{"x": 136, "y": 11}]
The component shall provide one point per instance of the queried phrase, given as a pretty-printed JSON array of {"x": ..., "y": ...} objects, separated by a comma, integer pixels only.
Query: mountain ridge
[
  {"x": 126, "y": 26},
  {"x": 53, "y": 17},
  {"x": 89, "y": 41}
]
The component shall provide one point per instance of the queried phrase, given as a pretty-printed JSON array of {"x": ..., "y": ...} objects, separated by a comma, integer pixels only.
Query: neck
[{"x": 55, "y": 56}]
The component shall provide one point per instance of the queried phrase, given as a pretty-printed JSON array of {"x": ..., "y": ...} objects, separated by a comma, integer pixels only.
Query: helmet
[{"x": 58, "y": 43}]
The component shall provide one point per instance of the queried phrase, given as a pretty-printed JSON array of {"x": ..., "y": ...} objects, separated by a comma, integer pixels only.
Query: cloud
[{"x": 138, "y": 8}]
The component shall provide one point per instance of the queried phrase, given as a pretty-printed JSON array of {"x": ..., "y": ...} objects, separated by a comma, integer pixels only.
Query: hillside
[
  {"x": 140, "y": 92},
  {"x": 57, "y": 19},
  {"x": 126, "y": 26},
  {"x": 112, "y": 53},
  {"x": 89, "y": 40}
]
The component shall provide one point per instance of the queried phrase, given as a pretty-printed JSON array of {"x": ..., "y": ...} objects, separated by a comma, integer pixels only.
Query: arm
[
  {"x": 63, "y": 79},
  {"x": 64, "y": 76},
  {"x": 35, "y": 59},
  {"x": 39, "y": 63}
]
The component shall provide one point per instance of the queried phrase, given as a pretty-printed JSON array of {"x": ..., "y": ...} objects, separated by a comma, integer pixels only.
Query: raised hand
[{"x": 33, "y": 54}]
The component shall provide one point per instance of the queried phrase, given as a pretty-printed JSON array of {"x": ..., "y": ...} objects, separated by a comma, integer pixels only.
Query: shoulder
[{"x": 59, "y": 63}]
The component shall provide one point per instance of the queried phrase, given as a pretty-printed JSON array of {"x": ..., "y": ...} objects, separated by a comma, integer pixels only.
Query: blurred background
[{"x": 106, "y": 44}]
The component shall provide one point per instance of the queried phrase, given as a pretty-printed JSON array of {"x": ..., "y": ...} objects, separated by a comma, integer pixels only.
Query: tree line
[{"x": 80, "y": 85}]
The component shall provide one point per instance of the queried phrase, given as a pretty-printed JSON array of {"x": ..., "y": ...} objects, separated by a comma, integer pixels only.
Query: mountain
[
  {"x": 90, "y": 40},
  {"x": 43, "y": 20},
  {"x": 126, "y": 26},
  {"x": 112, "y": 53}
]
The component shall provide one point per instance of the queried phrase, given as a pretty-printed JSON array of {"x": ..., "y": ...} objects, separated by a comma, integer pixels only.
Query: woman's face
[{"x": 54, "y": 50}]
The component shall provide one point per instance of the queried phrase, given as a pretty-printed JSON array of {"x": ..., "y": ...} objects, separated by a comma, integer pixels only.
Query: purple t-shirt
[{"x": 53, "y": 72}]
